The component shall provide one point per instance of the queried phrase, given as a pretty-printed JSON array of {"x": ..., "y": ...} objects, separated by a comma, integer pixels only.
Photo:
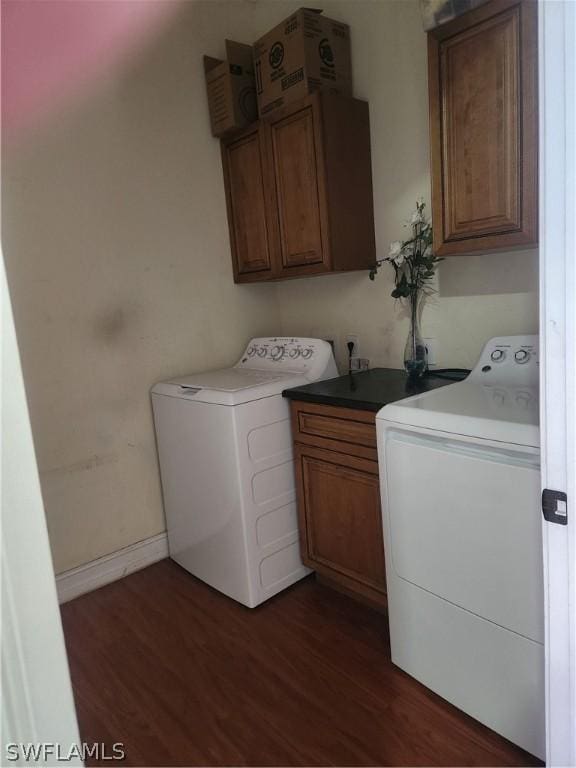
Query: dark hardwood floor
[{"x": 184, "y": 676}]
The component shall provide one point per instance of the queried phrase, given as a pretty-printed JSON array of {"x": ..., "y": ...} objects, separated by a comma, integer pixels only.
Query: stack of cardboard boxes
[{"x": 307, "y": 52}]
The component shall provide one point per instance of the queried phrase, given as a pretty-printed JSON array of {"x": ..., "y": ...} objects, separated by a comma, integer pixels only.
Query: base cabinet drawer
[
  {"x": 340, "y": 518},
  {"x": 340, "y": 429}
]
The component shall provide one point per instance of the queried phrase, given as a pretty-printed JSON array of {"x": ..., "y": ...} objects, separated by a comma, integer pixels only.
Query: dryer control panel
[
  {"x": 508, "y": 359},
  {"x": 286, "y": 354}
]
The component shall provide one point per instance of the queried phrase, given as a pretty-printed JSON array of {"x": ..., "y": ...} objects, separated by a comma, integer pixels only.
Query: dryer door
[{"x": 464, "y": 524}]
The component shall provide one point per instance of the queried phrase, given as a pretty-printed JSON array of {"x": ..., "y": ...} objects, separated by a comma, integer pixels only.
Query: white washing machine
[
  {"x": 226, "y": 463},
  {"x": 460, "y": 485}
]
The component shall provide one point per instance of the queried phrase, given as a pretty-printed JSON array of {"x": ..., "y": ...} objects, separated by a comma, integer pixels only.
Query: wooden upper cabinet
[
  {"x": 299, "y": 191},
  {"x": 483, "y": 121},
  {"x": 245, "y": 174},
  {"x": 297, "y": 173}
]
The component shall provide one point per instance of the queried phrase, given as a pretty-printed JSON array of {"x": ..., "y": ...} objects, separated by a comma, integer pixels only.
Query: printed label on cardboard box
[
  {"x": 276, "y": 55},
  {"x": 293, "y": 79}
]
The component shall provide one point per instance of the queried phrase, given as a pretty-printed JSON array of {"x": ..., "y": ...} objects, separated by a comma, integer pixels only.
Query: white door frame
[
  {"x": 34, "y": 716},
  {"x": 557, "y": 66}
]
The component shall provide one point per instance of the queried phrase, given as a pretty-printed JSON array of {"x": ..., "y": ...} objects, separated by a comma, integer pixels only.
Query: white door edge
[
  {"x": 557, "y": 80},
  {"x": 37, "y": 702}
]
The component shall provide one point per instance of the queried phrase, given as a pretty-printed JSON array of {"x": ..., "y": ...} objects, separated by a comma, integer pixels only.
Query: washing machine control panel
[
  {"x": 508, "y": 358},
  {"x": 276, "y": 350},
  {"x": 311, "y": 357}
]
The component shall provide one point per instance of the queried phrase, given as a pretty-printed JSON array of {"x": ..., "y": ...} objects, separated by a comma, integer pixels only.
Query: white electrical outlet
[{"x": 432, "y": 352}]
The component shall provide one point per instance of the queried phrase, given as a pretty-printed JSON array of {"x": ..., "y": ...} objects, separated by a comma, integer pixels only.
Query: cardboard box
[
  {"x": 231, "y": 89},
  {"x": 306, "y": 52}
]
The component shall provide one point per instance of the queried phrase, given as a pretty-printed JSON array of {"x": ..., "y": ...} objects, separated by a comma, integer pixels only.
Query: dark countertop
[{"x": 366, "y": 391}]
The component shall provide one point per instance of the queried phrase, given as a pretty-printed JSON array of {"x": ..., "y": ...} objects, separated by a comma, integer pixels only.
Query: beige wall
[{"x": 118, "y": 259}]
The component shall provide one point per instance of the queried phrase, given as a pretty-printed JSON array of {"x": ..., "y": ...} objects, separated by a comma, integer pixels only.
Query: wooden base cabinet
[
  {"x": 339, "y": 510},
  {"x": 299, "y": 191},
  {"x": 483, "y": 70}
]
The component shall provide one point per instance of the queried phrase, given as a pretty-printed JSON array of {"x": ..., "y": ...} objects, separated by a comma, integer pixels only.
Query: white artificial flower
[
  {"x": 400, "y": 259},
  {"x": 395, "y": 249},
  {"x": 417, "y": 217}
]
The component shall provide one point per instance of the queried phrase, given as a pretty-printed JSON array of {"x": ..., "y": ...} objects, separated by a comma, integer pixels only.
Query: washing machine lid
[
  {"x": 507, "y": 414},
  {"x": 228, "y": 379},
  {"x": 228, "y": 386},
  {"x": 267, "y": 367}
]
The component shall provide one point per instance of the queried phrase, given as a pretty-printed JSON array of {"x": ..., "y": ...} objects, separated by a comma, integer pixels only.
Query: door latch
[{"x": 555, "y": 506}]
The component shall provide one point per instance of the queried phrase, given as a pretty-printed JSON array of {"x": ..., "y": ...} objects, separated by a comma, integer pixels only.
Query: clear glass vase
[{"x": 415, "y": 356}]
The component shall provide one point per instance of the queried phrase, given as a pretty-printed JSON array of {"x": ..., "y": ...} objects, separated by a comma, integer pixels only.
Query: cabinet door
[
  {"x": 340, "y": 517},
  {"x": 248, "y": 189},
  {"x": 483, "y": 119},
  {"x": 296, "y": 157}
]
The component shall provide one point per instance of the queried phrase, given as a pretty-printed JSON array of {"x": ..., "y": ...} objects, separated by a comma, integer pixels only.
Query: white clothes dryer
[{"x": 460, "y": 485}]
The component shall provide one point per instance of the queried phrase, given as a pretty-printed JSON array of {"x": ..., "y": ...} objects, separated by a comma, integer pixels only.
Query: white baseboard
[{"x": 105, "y": 570}]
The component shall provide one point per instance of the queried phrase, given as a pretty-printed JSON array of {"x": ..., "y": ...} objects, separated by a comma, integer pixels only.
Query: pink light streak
[{"x": 52, "y": 49}]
